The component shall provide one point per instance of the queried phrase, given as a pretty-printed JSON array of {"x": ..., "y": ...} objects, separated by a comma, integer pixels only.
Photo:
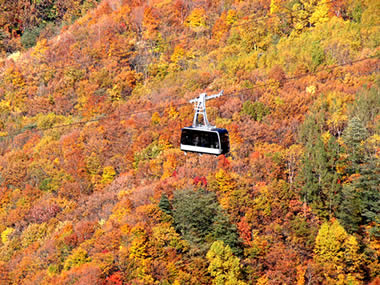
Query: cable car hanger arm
[
  {"x": 200, "y": 108},
  {"x": 195, "y": 100}
]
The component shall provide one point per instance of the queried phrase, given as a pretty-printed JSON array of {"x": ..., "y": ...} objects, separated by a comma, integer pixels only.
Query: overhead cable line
[{"x": 129, "y": 114}]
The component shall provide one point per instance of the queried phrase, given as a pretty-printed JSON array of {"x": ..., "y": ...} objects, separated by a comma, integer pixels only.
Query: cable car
[
  {"x": 210, "y": 141},
  {"x": 203, "y": 138}
]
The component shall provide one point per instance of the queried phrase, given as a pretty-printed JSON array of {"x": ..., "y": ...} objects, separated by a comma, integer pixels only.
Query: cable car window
[
  {"x": 211, "y": 140},
  {"x": 200, "y": 138},
  {"x": 225, "y": 142},
  {"x": 186, "y": 137},
  {"x": 224, "y": 138}
]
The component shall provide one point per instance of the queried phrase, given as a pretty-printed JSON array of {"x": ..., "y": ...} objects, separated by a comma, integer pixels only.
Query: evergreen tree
[
  {"x": 349, "y": 210},
  {"x": 223, "y": 230},
  {"x": 369, "y": 185},
  {"x": 361, "y": 202},
  {"x": 199, "y": 218},
  {"x": 318, "y": 172},
  {"x": 165, "y": 205},
  {"x": 361, "y": 198},
  {"x": 353, "y": 136}
]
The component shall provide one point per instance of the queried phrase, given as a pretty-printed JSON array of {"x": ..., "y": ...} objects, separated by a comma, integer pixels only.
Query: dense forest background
[{"x": 94, "y": 188}]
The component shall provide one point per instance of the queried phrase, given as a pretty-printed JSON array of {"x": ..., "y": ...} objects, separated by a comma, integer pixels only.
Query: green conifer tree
[
  {"x": 353, "y": 136},
  {"x": 349, "y": 210},
  {"x": 200, "y": 220},
  {"x": 361, "y": 198},
  {"x": 318, "y": 172},
  {"x": 165, "y": 205}
]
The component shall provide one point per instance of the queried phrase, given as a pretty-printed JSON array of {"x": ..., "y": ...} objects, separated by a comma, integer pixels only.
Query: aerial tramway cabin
[{"x": 204, "y": 138}]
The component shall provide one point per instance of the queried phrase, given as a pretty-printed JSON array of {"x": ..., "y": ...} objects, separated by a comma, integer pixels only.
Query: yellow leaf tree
[
  {"x": 196, "y": 20},
  {"x": 224, "y": 266},
  {"x": 338, "y": 254},
  {"x": 320, "y": 14}
]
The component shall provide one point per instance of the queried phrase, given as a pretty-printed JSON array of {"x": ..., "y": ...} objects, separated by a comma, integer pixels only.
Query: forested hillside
[{"x": 95, "y": 190}]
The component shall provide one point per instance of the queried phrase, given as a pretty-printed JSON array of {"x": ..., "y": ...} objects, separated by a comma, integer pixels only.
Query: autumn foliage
[{"x": 94, "y": 188}]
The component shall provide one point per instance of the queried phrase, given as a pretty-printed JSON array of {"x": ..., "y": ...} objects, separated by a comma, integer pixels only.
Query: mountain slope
[{"x": 94, "y": 188}]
